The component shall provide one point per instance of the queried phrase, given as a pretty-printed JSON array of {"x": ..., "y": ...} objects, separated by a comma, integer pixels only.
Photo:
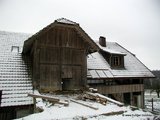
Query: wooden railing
[{"x": 119, "y": 88}]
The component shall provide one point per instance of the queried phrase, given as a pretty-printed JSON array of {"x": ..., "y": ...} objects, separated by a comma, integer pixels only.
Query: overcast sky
[{"x": 134, "y": 24}]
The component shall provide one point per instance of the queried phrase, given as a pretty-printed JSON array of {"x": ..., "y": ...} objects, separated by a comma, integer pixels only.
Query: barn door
[
  {"x": 66, "y": 71},
  {"x": 77, "y": 76},
  {"x": 49, "y": 77}
]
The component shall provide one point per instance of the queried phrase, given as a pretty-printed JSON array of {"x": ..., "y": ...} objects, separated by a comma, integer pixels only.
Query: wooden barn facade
[{"x": 59, "y": 56}]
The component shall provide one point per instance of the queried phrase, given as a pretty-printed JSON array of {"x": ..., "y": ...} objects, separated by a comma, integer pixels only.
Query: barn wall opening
[{"x": 66, "y": 84}]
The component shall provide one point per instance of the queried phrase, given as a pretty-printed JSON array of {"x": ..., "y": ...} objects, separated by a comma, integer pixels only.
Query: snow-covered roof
[
  {"x": 65, "y": 21},
  {"x": 110, "y": 50},
  {"x": 98, "y": 66},
  {"x": 113, "y": 51},
  {"x": 15, "y": 76},
  {"x": 132, "y": 66}
]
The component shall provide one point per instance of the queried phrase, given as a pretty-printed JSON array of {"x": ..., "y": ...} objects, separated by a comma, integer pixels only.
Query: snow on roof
[
  {"x": 66, "y": 21},
  {"x": 132, "y": 66},
  {"x": 15, "y": 78},
  {"x": 96, "y": 61},
  {"x": 98, "y": 66},
  {"x": 113, "y": 52},
  {"x": 110, "y": 50}
]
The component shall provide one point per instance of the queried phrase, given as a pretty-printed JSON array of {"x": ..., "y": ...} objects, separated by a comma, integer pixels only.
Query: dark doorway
[
  {"x": 127, "y": 98},
  {"x": 66, "y": 84},
  {"x": 7, "y": 113}
]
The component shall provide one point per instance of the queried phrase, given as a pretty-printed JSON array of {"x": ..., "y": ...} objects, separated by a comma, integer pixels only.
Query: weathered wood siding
[
  {"x": 120, "y": 88},
  {"x": 59, "y": 58}
]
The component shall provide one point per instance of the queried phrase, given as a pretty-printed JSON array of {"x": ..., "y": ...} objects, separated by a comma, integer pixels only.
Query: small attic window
[
  {"x": 116, "y": 60},
  {"x": 15, "y": 49}
]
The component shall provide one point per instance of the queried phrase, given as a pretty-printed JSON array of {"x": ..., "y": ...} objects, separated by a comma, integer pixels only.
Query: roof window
[{"x": 15, "y": 49}]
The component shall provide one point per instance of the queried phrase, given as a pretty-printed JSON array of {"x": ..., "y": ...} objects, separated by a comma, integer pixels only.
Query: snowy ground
[
  {"x": 75, "y": 111},
  {"x": 156, "y": 101}
]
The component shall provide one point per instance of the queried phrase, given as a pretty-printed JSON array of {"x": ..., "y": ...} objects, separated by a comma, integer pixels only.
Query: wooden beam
[
  {"x": 53, "y": 99},
  {"x": 103, "y": 98}
]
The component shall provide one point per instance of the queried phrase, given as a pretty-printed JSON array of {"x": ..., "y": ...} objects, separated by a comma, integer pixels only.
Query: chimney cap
[{"x": 102, "y": 37}]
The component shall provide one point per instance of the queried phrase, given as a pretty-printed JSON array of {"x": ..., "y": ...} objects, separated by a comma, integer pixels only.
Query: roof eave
[{"x": 123, "y": 54}]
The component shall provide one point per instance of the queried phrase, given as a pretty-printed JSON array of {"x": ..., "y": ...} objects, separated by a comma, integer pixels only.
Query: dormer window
[{"x": 114, "y": 58}]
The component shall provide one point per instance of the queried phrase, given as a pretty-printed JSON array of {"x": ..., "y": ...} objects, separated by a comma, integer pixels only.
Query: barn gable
[{"x": 62, "y": 22}]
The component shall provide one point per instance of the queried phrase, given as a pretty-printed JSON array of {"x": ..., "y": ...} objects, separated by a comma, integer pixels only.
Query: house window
[{"x": 116, "y": 61}]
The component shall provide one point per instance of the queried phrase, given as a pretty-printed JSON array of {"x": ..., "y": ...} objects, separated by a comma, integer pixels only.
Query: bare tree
[{"x": 155, "y": 83}]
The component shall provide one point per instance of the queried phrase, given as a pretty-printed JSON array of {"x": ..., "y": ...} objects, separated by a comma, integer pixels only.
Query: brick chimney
[{"x": 102, "y": 41}]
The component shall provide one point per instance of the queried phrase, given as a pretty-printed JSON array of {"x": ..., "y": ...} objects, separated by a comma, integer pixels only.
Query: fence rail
[{"x": 153, "y": 105}]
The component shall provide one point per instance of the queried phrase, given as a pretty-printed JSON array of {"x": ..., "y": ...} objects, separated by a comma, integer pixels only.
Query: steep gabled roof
[
  {"x": 65, "y": 23},
  {"x": 133, "y": 67},
  {"x": 15, "y": 75}
]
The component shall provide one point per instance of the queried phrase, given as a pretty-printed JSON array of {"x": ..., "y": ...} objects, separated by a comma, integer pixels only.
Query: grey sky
[{"x": 134, "y": 24}]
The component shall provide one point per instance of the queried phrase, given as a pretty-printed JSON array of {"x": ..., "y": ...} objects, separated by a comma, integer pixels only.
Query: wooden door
[{"x": 50, "y": 77}]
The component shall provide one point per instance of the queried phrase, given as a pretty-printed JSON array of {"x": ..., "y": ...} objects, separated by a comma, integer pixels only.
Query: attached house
[
  {"x": 116, "y": 72},
  {"x": 62, "y": 56}
]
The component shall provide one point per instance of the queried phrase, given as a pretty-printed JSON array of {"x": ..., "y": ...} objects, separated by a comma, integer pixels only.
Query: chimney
[{"x": 102, "y": 41}]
